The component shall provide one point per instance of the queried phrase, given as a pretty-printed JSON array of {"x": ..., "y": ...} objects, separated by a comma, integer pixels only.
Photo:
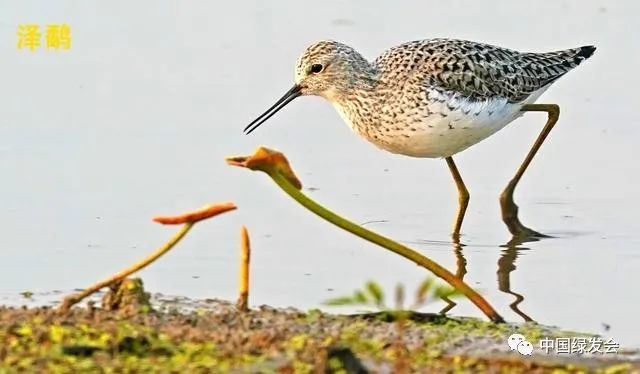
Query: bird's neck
[
  {"x": 355, "y": 96},
  {"x": 356, "y": 105}
]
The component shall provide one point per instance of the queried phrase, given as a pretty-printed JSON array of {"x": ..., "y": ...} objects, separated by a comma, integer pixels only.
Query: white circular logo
[
  {"x": 518, "y": 343},
  {"x": 514, "y": 340},
  {"x": 525, "y": 348}
]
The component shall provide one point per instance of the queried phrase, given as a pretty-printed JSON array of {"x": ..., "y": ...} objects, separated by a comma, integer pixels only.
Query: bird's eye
[{"x": 316, "y": 68}]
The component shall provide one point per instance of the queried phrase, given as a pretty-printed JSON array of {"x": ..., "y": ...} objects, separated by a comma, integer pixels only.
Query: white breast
[{"x": 446, "y": 126}]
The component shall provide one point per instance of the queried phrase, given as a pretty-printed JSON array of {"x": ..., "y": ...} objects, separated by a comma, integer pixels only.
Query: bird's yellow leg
[
  {"x": 463, "y": 197},
  {"x": 508, "y": 207}
]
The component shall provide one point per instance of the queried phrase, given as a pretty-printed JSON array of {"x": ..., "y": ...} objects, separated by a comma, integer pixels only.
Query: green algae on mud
[{"x": 215, "y": 336}]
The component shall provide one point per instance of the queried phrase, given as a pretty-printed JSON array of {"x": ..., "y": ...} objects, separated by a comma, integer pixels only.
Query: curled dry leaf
[
  {"x": 205, "y": 212},
  {"x": 268, "y": 161}
]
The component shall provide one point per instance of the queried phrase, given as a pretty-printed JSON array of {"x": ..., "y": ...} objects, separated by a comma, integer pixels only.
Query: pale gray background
[{"x": 136, "y": 118}]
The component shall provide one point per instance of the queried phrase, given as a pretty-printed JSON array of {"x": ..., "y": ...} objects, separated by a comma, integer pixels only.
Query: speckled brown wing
[{"x": 477, "y": 70}]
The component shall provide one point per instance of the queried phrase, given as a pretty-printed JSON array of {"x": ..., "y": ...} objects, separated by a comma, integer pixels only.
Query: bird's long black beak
[{"x": 284, "y": 100}]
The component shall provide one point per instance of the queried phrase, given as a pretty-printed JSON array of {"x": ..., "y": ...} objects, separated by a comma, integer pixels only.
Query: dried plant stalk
[
  {"x": 275, "y": 164},
  {"x": 245, "y": 259},
  {"x": 189, "y": 219}
]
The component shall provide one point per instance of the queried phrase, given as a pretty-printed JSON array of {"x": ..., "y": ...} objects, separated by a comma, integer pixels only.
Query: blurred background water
[{"x": 136, "y": 119}]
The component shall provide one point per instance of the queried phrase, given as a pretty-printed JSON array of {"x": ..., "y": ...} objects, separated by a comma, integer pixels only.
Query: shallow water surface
[{"x": 136, "y": 119}]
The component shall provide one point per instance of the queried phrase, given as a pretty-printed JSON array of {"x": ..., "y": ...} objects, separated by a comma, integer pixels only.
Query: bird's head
[{"x": 328, "y": 69}]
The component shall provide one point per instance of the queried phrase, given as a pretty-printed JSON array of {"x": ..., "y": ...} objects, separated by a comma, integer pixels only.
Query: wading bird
[{"x": 434, "y": 98}]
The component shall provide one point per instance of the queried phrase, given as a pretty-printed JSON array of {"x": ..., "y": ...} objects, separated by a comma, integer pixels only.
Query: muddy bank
[{"x": 199, "y": 336}]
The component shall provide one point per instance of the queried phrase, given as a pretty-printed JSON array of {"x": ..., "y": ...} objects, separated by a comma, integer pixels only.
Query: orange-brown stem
[
  {"x": 210, "y": 210},
  {"x": 245, "y": 259}
]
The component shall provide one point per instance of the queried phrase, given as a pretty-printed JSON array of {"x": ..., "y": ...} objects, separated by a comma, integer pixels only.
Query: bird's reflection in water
[
  {"x": 506, "y": 265},
  {"x": 461, "y": 270}
]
